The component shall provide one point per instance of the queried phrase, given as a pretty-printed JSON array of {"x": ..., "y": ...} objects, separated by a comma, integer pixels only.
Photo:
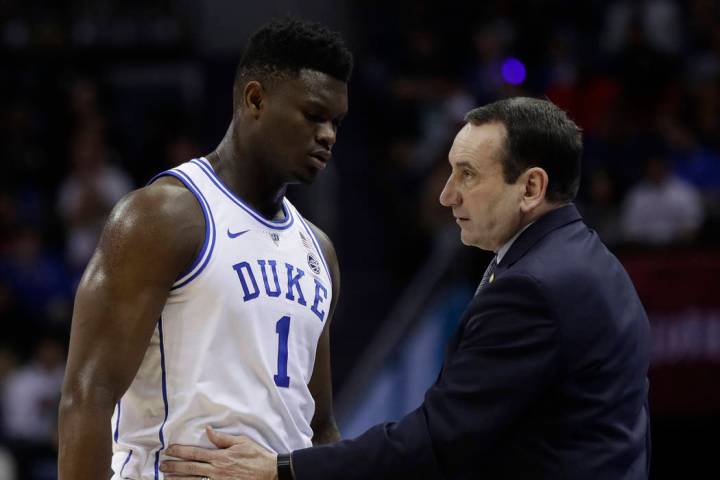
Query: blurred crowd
[
  {"x": 83, "y": 123},
  {"x": 639, "y": 77}
]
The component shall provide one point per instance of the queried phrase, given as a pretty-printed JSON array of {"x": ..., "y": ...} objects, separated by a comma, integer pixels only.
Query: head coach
[{"x": 546, "y": 375}]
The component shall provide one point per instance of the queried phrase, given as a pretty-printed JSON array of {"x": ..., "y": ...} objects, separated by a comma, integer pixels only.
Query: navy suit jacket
[{"x": 545, "y": 378}]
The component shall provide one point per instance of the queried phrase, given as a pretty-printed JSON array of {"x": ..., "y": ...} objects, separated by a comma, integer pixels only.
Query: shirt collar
[{"x": 504, "y": 249}]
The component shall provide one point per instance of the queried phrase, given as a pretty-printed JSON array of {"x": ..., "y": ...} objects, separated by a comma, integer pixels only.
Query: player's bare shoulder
[{"x": 163, "y": 221}]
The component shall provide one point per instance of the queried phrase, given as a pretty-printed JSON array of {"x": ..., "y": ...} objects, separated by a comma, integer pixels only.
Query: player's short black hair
[
  {"x": 287, "y": 45},
  {"x": 539, "y": 134}
]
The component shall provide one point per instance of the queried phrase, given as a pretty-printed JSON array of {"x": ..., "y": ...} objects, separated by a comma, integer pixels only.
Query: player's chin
[{"x": 307, "y": 176}]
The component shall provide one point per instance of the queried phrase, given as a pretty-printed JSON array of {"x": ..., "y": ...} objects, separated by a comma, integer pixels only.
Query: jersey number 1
[{"x": 282, "y": 328}]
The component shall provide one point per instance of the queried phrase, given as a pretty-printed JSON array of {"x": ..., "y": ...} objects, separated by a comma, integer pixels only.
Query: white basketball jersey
[{"x": 235, "y": 346}]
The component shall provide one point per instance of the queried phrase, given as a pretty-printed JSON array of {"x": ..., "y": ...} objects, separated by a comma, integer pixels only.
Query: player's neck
[{"x": 246, "y": 178}]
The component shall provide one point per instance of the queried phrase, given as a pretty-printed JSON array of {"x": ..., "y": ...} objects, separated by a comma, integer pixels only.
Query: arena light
[{"x": 513, "y": 71}]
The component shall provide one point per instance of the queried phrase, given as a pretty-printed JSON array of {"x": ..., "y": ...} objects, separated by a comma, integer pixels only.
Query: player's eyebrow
[{"x": 319, "y": 104}]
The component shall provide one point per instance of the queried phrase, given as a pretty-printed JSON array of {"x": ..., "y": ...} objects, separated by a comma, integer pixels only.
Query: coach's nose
[{"x": 449, "y": 197}]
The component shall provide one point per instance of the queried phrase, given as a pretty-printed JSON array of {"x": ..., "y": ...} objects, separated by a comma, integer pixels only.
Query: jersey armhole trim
[
  {"x": 203, "y": 256},
  {"x": 317, "y": 245}
]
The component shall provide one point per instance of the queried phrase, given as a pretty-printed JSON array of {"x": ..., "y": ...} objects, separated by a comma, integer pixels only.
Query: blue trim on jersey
[
  {"x": 165, "y": 400},
  {"x": 183, "y": 177},
  {"x": 205, "y": 166},
  {"x": 210, "y": 230},
  {"x": 117, "y": 422},
  {"x": 317, "y": 246},
  {"x": 127, "y": 459}
]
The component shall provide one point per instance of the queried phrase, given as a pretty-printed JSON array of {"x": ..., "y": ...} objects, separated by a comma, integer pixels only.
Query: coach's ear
[{"x": 534, "y": 182}]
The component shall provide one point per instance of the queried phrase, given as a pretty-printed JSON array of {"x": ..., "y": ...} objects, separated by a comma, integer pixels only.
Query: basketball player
[{"x": 209, "y": 298}]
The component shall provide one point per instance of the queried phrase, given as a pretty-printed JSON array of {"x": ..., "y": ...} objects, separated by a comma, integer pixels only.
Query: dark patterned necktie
[{"x": 486, "y": 278}]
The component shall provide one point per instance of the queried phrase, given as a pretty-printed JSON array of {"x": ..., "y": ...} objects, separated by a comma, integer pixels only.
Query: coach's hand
[{"x": 238, "y": 458}]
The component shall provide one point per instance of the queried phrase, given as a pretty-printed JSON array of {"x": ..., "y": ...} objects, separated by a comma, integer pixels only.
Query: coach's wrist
[{"x": 284, "y": 467}]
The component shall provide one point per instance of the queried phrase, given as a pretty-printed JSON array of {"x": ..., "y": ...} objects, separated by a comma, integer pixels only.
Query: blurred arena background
[{"x": 98, "y": 96}]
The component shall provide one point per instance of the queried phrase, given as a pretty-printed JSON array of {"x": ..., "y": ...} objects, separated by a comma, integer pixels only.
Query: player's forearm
[
  {"x": 328, "y": 432},
  {"x": 84, "y": 439}
]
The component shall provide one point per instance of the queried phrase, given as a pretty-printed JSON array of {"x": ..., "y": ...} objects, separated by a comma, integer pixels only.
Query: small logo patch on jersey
[
  {"x": 313, "y": 264},
  {"x": 235, "y": 235},
  {"x": 305, "y": 241},
  {"x": 274, "y": 237}
]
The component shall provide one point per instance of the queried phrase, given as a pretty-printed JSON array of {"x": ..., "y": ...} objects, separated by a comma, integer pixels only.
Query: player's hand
[{"x": 238, "y": 458}]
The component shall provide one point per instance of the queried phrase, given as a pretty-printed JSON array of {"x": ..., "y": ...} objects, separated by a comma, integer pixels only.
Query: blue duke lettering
[
  {"x": 319, "y": 288},
  {"x": 245, "y": 267},
  {"x": 294, "y": 281},
  {"x": 273, "y": 267},
  {"x": 293, "y": 287}
]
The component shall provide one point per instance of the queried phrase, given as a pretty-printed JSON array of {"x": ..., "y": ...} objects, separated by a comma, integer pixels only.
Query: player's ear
[
  {"x": 534, "y": 182},
  {"x": 253, "y": 98}
]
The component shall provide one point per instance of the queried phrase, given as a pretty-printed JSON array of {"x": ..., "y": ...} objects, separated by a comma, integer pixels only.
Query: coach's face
[{"x": 483, "y": 204}]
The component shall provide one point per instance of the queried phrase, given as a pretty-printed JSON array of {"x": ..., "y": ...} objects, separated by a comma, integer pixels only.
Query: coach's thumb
[{"x": 221, "y": 440}]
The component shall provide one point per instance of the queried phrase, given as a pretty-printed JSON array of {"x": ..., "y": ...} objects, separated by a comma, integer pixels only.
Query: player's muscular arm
[
  {"x": 150, "y": 237},
  {"x": 323, "y": 423}
]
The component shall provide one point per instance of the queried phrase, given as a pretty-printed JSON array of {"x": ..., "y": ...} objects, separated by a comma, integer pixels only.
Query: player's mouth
[{"x": 320, "y": 158}]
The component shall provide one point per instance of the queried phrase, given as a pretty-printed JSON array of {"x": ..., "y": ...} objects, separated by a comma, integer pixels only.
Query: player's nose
[{"x": 327, "y": 135}]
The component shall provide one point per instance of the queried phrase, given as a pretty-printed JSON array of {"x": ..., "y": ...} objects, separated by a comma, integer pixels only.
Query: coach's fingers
[
  {"x": 190, "y": 453},
  {"x": 223, "y": 440},
  {"x": 195, "y": 469}
]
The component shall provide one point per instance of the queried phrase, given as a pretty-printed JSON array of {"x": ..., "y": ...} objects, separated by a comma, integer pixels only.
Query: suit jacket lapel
[{"x": 534, "y": 233}]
